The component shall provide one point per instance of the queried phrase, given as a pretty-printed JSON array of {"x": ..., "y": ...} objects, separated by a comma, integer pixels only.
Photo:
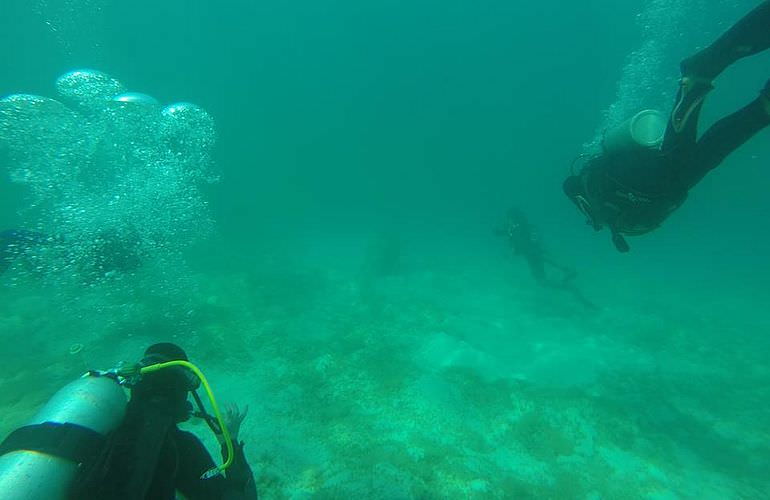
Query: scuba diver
[
  {"x": 110, "y": 252},
  {"x": 525, "y": 242},
  {"x": 112, "y": 450},
  {"x": 631, "y": 191}
]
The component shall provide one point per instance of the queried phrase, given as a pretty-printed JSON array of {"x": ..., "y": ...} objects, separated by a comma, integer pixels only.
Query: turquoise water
[{"x": 331, "y": 260}]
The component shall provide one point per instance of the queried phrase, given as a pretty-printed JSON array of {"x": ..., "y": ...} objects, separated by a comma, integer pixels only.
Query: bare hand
[{"x": 233, "y": 418}]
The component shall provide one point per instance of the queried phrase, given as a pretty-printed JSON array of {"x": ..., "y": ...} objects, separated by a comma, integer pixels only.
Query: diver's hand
[
  {"x": 620, "y": 242},
  {"x": 233, "y": 419}
]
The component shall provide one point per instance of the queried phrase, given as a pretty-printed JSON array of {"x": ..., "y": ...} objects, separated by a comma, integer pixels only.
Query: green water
[{"x": 342, "y": 276}]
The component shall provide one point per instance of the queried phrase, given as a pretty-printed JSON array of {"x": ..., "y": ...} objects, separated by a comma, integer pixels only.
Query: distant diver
[
  {"x": 524, "y": 242},
  {"x": 108, "y": 253},
  {"x": 632, "y": 190}
]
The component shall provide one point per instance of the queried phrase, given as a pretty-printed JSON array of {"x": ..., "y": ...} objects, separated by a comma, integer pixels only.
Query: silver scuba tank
[
  {"x": 644, "y": 130},
  {"x": 96, "y": 403}
]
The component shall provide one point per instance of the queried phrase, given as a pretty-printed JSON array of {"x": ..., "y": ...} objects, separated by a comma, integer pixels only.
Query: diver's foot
[{"x": 692, "y": 91}]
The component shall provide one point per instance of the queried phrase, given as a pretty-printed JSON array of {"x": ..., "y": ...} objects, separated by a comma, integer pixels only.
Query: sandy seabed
[{"x": 451, "y": 381}]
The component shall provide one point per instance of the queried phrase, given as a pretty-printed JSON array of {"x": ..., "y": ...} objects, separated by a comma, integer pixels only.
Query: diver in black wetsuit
[
  {"x": 632, "y": 192},
  {"x": 525, "y": 242},
  {"x": 110, "y": 252},
  {"x": 149, "y": 457}
]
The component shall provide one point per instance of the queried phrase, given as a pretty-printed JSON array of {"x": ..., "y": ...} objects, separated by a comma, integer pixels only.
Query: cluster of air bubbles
[
  {"x": 114, "y": 177},
  {"x": 87, "y": 90},
  {"x": 648, "y": 79}
]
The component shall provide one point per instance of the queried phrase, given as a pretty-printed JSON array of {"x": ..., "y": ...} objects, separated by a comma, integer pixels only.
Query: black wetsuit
[
  {"x": 110, "y": 251},
  {"x": 693, "y": 158},
  {"x": 149, "y": 457},
  {"x": 525, "y": 242},
  {"x": 633, "y": 192}
]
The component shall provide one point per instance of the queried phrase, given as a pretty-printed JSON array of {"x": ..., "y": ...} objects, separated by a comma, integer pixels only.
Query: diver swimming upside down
[{"x": 632, "y": 191}]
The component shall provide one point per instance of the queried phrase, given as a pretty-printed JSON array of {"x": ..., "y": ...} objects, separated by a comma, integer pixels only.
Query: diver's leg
[
  {"x": 747, "y": 37},
  {"x": 682, "y": 132},
  {"x": 581, "y": 298},
  {"x": 567, "y": 273},
  {"x": 570, "y": 287},
  {"x": 565, "y": 284},
  {"x": 725, "y": 136}
]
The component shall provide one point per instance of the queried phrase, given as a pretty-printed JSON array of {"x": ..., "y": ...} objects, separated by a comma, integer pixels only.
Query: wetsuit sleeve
[
  {"x": 194, "y": 460},
  {"x": 240, "y": 479}
]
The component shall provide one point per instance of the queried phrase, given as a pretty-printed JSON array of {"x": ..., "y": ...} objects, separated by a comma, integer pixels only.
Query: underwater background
[{"x": 331, "y": 261}]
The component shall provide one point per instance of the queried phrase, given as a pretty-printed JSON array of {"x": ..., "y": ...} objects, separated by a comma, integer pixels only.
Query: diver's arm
[
  {"x": 236, "y": 484},
  {"x": 239, "y": 480},
  {"x": 193, "y": 461},
  {"x": 619, "y": 241}
]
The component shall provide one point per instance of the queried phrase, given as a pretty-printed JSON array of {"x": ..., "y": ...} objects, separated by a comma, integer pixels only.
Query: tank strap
[{"x": 72, "y": 442}]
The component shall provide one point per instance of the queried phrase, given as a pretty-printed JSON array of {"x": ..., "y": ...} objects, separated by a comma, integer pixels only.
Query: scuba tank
[
  {"x": 644, "y": 130},
  {"x": 41, "y": 460},
  {"x": 641, "y": 133},
  {"x": 45, "y": 459}
]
